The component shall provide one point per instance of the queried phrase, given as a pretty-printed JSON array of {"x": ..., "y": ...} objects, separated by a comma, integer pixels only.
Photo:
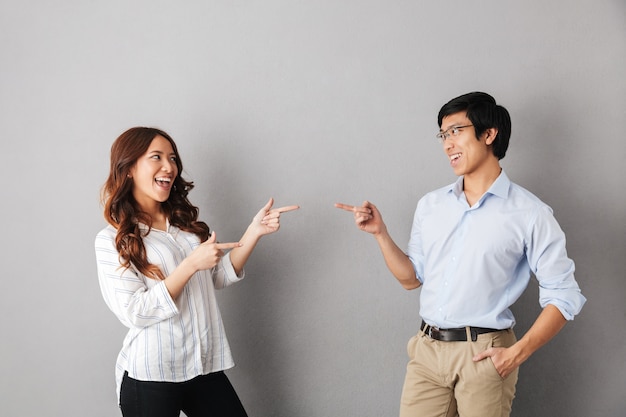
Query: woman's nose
[{"x": 169, "y": 166}]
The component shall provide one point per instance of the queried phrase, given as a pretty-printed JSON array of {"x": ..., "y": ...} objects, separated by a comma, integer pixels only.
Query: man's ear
[{"x": 490, "y": 135}]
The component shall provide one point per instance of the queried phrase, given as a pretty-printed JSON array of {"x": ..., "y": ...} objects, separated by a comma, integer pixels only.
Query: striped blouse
[{"x": 168, "y": 340}]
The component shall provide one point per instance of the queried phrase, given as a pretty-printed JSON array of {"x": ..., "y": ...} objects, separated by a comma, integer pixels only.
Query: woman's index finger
[{"x": 229, "y": 245}]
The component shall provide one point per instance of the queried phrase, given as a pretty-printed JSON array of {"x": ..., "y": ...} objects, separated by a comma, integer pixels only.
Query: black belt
[{"x": 454, "y": 335}]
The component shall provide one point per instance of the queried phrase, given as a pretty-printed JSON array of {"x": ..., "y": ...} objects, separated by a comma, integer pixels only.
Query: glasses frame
[{"x": 451, "y": 131}]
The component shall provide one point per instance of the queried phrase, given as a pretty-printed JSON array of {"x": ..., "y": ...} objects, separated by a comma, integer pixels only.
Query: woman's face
[{"x": 153, "y": 174}]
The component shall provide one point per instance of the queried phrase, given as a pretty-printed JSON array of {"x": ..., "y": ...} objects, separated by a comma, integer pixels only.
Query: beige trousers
[{"x": 443, "y": 381}]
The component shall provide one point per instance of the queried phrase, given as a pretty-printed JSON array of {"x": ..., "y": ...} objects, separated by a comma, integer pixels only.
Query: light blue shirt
[{"x": 475, "y": 262}]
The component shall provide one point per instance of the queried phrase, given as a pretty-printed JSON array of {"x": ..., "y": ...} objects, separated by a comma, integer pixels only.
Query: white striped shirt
[{"x": 169, "y": 340}]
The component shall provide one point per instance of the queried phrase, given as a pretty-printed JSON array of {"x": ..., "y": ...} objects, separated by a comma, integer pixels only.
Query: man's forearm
[
  {"x": 397, "y": 261},
  {"x": 547, "y": 325}
]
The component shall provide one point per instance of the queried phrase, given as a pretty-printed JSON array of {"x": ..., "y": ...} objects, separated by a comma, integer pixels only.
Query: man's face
[{"x": 466, "y": 153}]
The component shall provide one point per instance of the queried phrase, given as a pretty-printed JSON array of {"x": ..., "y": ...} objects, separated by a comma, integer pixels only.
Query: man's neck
[{"x": 477, "y": 183}]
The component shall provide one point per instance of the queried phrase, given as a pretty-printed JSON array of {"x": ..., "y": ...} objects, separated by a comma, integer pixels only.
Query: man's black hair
[{"x": 484, "y": 113}]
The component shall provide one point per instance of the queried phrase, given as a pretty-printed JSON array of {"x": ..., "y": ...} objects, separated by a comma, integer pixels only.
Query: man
[{"x": 472, "y": 249}]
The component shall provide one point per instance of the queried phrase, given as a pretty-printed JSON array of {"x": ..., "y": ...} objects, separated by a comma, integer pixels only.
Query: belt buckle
[
  {"x": 433, "y": 332},
  {"x": 474, "y": 334}
]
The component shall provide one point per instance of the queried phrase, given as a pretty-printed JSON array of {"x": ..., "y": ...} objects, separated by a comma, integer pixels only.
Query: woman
[{"x": 158, "y": 268}]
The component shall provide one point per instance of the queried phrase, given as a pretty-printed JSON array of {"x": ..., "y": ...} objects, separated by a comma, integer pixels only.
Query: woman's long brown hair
[{"x": 122, "y": 211}]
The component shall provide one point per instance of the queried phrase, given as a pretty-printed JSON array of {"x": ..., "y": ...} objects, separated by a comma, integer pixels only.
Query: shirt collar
[
  {"x": 499, "y": 188},
  {"x": 144, "y": 227},
  {"x": 456, "y": 187}
]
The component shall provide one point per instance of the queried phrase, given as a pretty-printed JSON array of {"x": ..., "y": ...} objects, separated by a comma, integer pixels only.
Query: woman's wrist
[
  {"x": 187, "y": 267},
  {"x": 251, "y": 235}
]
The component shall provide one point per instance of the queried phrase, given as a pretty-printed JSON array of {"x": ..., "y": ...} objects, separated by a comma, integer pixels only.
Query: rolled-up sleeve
[
  {"x": 415, "y": 250},
  {"x": 224, "y": 273},
  {"x": 547, "y": 258}
]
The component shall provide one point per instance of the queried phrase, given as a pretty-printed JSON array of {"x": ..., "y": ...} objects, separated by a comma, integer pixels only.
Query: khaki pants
[{"x": 443, "y": 381}]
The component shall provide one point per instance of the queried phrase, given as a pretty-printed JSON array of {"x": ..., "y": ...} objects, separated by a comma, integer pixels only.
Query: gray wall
[{"x": 310, "y": 102}]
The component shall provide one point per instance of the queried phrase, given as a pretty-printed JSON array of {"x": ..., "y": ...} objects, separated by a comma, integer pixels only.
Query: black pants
[{"x": 209, "y": 395}]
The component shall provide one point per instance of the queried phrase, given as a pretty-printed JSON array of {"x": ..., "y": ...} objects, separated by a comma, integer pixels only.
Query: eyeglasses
[{"x": 451, "y": 131}]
